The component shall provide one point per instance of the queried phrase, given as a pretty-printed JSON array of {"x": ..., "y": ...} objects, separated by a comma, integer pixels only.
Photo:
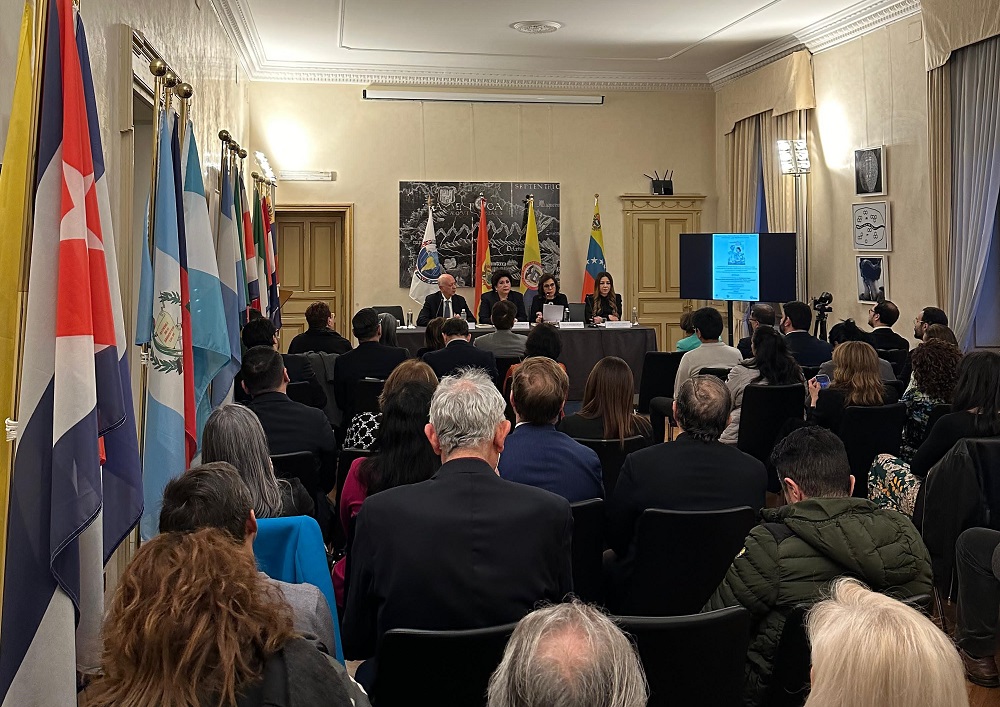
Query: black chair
[
  {"x": 721, "y": 373},
  {"x": 691, "y": 661},
  {"x": 764, "y": 414},
  {"x": 682, "y": 557},
  {"x": 454, "y": 665},
  {"x": 303, "y": 466},
  {"x": 868, "y": 432},
  {"x": 659, "y": 369},
  {"x": 503, "y": 365},
  {"x": 896, "y": 357},
  {"x": 810, "y": 372},
  {"x": 577, "y": 311},
  {"x": 937, "y": 413},
  {"x": 896, "y": 385},
  {"x": 588, "y": 549},
  {"x": 366, "y": 392},
  {"x": 395, "y": 310},
  {"x": 612, "y": 454}
]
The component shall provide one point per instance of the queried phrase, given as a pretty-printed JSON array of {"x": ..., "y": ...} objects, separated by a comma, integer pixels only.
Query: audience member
[
  {"x": 364, "y": 427},
  {"x": 608, "y": 411},
  {"x": 387, "y": 325},
  {"x": 881, "y": 317},
  {"x": 503, "y": 343},
  {"x": 320, "y": 336},
  {"x": 213, "y": 496},
  {"x": 444, "y": 303},
  {"x": 193, "y": 623},
  {"x": 940, "y": 331},
  {"x": 402, "y": 454},
  {"x": 548, "y": 293},
  {"x": 433, "y": 341},
  {"x": 712, "y": 353},
  {"x": 289, "y": 426},
  {"x": 845, "y": 331},
  {"x": 761, "y": 314},
  {"x": 892, "y": 483},
  {"x": 234, "y": 434},
  {"x": 691, "y": 340},
  {"x": 806, "y": 348},
  {"x": 261, "y": 332},
  {"x": 870, "y": 650},
  {"x": 771, "y": 365},
  {"x": 570, "y": 655},
  {"x": 856, "y": 382},
  {"x": 412, "y": 560},
  {"x": 501, "y": 281},
  {"x": 371, "y": 359},
  {"x": 536, "y": 453},
  {"x": 695, "y": 472},
  {"x": 458, "y": 352},
  {"x": 977, "y": 559},
  {"x": 822, "y": 533},
  {"x": 542, "y": 340},
  {"x": 928, "y": 317},
  {"x": 603, "y": 305},
  {"x": 935, "y": 373}
]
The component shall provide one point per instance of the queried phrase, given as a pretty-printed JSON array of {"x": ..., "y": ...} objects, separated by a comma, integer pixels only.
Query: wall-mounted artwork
[
  {"x": 873, "y": 278},
  {"x": 872, "y": 230},
  {"x": 869, "y": 171}
]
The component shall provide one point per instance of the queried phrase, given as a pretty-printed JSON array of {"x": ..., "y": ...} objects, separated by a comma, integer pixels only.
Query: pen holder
[{"x": 663, "y": 187}]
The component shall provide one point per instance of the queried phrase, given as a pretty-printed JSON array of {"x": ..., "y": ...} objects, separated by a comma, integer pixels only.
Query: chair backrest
[
  {"x": 682, "y": 557},
  {"x": 577, "y": 311},
  {"x": 765, "y": 410},
  {"x": 366, "y": 392},
  {"x": 395, "y": 310},
  {"x": 693, "y": 660},
  {"x": 503, "y": 365},
  {"x": 897, "y": 386},
  {"x": 721, "y": 372},
  {"x": 937, "y": 413},
  {"x": 897, "y": 357},
  {"x": 659, "y": 369},
  {"x": 810, "y": 372},
  {"x": 868, "y": 432},
  {"x": 454, "y": 665},
  {"x": 303, "y": 466},
  {"x": 789, "y": 684},
  {"x": 588, "y": 549},
  {"x": 612, "y": 454}
]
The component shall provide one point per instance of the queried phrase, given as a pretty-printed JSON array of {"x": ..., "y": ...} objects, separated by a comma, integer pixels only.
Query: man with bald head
[{"x": 444, "y": 303}]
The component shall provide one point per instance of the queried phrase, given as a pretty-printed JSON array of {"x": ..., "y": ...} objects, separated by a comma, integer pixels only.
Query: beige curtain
[
  {"x": 939, "y": 146},
  {"x": 742, "y": 146},
  {"x": 953, "y": 24},
  {"x": 779, "y": 189}
]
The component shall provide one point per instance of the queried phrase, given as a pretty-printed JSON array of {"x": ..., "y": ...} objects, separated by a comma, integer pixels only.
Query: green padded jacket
[{"x": 799, "y": 549}]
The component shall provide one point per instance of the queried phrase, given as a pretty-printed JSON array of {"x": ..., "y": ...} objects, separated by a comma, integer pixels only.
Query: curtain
[
  {"x": 742, "y": 151},
  {"x": 975, "y": 180},
  {"x": 952, "y": 24},
  {"x": 939, "y": 145}
]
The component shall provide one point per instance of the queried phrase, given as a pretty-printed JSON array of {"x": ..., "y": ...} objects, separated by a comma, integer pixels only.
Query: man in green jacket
[{"x": 821, "y": 534}]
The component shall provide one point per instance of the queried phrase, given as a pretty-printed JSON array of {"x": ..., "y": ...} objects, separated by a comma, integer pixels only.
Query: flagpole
[
  {"x": 225, "y": 137},
  {"x": 184, "y": 91}
]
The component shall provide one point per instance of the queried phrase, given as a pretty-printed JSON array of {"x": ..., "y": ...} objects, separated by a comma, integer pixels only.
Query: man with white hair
[
  {"x": 464, "y": 549},
  {"x": 570, "y": 655}
]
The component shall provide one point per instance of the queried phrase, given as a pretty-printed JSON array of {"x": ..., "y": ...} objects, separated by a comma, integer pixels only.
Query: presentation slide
[{"x": 736, "y": 266}]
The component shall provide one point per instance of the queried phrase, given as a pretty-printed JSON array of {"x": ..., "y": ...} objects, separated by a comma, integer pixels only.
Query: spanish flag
[
  {"x": 482, "y": 281},
  {"x": 531, "y": 263}
]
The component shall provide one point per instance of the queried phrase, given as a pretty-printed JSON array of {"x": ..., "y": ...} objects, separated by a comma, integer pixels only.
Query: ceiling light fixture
[{"x": 536, "y": 26}]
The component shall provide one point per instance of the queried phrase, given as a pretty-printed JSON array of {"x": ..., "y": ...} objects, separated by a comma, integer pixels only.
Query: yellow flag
[{"x": 531, "y": 263}]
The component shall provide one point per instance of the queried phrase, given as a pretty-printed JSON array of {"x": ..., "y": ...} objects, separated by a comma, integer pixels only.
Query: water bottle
[
  {"x": 635, "y": 316},
  {"x": 409, "y": 319},
  {"x": 566, "y": 315},
  {"x": 465, "y": 316}
]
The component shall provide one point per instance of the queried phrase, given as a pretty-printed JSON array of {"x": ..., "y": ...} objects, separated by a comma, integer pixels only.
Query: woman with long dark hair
[
  {"x": 433, "y": 339},
  {"x": 603, "y": 305},
  {"x": 548, "y": 293},
  {"x": 503, "y": 291},
  {"x": 892, "y": 483},
  {"x": 607, "y": 411},
  {"x": 856, "y": 381},
  {"x": 772, "y": 364}
]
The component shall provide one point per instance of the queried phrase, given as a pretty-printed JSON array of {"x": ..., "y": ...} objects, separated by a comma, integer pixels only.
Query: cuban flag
[
  {"x": 72, "y": 392},
  {"x": 209, "y": 334},
  {"x": 230, "y": 265},
  {"x": 428, "y": 267},
  {"x": 249, "y": 250}
]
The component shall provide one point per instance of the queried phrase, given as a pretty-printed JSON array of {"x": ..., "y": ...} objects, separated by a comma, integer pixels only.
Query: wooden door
[
  {"x": 652, "y": 251},
  {"x": 313, "y": 263}
]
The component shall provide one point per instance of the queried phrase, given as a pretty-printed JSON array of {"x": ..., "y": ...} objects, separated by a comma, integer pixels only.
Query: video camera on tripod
[{"x": 822, "y": 307}]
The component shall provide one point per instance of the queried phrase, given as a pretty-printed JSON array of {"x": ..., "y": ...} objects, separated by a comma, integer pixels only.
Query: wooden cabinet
[{"x": 653, "y": 225}]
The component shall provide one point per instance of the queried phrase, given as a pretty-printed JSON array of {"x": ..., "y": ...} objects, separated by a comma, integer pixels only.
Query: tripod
[{"x": 819, "y": 326}]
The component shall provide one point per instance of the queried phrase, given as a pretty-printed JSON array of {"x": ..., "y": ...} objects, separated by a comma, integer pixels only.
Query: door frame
[{"x": 346, "y": 211}]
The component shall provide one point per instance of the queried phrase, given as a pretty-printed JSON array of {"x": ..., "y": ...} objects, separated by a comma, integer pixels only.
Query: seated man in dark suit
[
  {"x": 371, "y": 359},
  {"x": 761, "y": 314},
  {"x": 320, "y": 336},
  {"x": 695, "y": 472},
  {"x": 458, "y": 352},
  {"x": 536, "y": 453},
  {"x": 881, "y": 317},
  {"x": 444, "y": 303},
  {"x": 464, "y": 549},
  {"x": 289, "y": 426},
  {"x": 806, "y": 348},
  {"x": 261, "y": 332},
  {"x": 922, "y": 322}
]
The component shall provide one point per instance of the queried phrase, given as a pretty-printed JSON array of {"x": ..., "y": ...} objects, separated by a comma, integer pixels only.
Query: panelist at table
[
  {"x": 603, "y": 305},
  {"x": 502, "y": 292},
  {"x": 548, "y": 293},
  {"x": 444, "y": 303}
]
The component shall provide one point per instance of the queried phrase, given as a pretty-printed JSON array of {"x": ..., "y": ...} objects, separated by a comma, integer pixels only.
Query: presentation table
[{"x": 581, "y": 349}]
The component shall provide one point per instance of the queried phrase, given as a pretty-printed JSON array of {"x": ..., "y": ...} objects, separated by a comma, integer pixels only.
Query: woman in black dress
[
  {"x": 548, "y": 293},
  {"x": 603, "y": 305},
  {"x": 502, "y": 290}
]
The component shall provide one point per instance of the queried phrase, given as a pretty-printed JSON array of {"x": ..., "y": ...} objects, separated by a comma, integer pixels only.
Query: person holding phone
[{"x": 856, "y": 381}]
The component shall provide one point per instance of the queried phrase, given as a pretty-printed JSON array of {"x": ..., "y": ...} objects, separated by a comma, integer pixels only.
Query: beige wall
[{"x": 372, "y": 145}]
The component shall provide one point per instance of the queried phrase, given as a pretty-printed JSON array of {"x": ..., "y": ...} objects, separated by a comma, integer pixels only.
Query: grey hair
[
  {"x": 388, "y": 324},
  {"x": 703, "y": 407},
  {"x": 233, "y": 434},
  {"x": 466, "y": 409},
  {"x": 568, "y": 655}
]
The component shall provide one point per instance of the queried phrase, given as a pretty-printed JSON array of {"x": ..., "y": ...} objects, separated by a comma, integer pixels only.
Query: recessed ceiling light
[{"x": 536, "y": 26}]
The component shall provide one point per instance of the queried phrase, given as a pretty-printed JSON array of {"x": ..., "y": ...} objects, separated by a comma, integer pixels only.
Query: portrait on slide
[
  {"x": 872, "y": 230},
  {"x": 873, "y": 278}
]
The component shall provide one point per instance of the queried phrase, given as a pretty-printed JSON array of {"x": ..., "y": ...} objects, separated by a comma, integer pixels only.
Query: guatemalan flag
[
  {"x": 231, "y": 275},
  {"x": 428, "y": 267},
  {"x": 73, "y": 391}
]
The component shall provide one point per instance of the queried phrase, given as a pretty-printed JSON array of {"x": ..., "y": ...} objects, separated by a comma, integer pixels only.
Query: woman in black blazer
[
  {"x": 501, "y": 282},
  {"x": 603, "y": 305},
  {"x": 548, "y": 293}
]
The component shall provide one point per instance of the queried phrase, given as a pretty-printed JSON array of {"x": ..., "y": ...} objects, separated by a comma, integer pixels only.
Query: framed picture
[
  {"x": 873, "y": 277},
  {"x": 872, "y": 229},
  {"x": 869, "y": 171}
]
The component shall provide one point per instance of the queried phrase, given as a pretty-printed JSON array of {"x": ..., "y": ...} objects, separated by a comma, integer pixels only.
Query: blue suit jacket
[{"x": 541, "y": 456}]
